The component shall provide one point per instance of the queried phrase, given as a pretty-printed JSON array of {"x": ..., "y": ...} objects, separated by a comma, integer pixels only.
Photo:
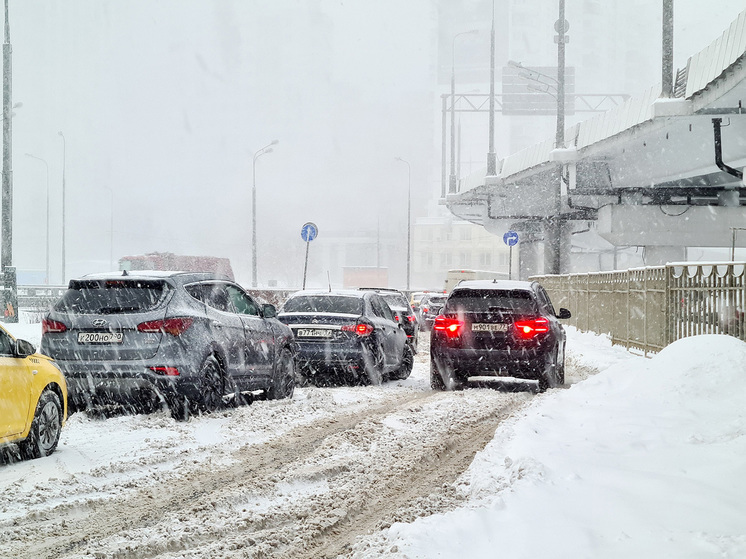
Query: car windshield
[
  {"x": 491, "y": 300},
  {"x": 438, "y": 300},
  {"x": 325, "y": 303},
  {"x": 112, "y": 296}
]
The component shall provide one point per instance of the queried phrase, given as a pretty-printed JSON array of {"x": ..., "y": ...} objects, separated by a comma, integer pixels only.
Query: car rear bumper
[
  {"x": 114, "y": 382},
  {"x": 311, "y": 358},
  {"x": 464, "y": 363}
]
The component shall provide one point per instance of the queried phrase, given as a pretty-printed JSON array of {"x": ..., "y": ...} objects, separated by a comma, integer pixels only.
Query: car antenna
[
  {"x": 124, "y": 273},
  {"x": 329, "y": 280}
]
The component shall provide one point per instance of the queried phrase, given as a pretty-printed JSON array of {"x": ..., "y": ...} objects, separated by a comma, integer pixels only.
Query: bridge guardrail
[{"x": 649, "y": 308}]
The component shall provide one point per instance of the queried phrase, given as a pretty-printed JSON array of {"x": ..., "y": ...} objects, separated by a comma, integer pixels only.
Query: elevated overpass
[{"x": 660, "y": 173}]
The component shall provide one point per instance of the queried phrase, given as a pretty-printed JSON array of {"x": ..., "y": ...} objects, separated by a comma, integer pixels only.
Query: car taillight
[
  {"x": 424, "y": 309},
  {"x": 411, "y": 317},
  {"x": 361, "y": 328},
  {"x": 165, "y": 371},
  {"x": 48, "y": 325},
  {"x": 451, "y": 326},
  {"x": 530, "y": 328},
  {"x": 173, "y": 326}
]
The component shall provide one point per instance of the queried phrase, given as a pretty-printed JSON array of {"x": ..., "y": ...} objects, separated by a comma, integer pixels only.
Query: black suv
[
  {"x": 490, "y": 330},
  {"x": 193, "y": 341}
]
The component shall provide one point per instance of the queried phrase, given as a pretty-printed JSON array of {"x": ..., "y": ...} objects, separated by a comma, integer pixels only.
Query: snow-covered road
[
  {"x": 388, "y": 471},
  {"x": 299, "y": 478}
]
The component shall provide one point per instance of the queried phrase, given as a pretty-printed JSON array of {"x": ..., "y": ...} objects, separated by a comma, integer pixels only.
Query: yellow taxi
[{"x": 33, "y": 398}]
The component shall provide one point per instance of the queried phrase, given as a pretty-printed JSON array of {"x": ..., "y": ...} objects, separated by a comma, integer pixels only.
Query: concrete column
[{"x": 528, "y": 260}]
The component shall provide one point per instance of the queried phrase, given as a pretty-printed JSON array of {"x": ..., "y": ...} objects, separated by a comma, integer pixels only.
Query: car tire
[
  {"x": 561, "y": 368},
  {"x": 179, "y": 407},
  {"x": 436, "y": 380},
  {"x": 549, "y": 376},
  {"x": 373, "y": 363},
  {"x": 45, "y": 428},
  {"x": 282, "y": 384},
  {"x": 212, "y": 385},
  {"x": 407, "y": 363}
]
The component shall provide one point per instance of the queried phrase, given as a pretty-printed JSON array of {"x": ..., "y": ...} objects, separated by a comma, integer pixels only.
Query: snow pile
[{"x": 645, "y": 459}]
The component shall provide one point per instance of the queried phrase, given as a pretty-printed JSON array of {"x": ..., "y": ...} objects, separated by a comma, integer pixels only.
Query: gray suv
[{"x": 192, "y": 341}]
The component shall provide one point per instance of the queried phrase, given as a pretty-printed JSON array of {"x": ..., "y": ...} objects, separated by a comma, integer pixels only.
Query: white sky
[{"x": 164, "y": 103}]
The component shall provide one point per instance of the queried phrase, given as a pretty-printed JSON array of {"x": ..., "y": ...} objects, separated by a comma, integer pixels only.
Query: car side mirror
[
  {"x": 564, "y": 313},
  {"x": 24, "y": 348},
  {"x": 269, "y": 311}
]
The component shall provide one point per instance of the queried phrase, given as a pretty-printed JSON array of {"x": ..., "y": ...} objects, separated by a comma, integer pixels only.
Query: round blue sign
[
  {"x": 308, "y": 232},
  {"x": 510, "y": 238}
]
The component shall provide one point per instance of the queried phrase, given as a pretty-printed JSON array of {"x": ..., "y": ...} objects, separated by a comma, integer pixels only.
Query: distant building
[{"x": 444, "y": 242}]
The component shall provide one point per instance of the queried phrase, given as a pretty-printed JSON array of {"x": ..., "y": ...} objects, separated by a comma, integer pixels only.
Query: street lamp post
[
  {"x": 257, "y": 155},
  {"x": 64, "y": 164},
  {"x": 452, "y": 180},
  {"x": 46, "y": 165},
  {"x": 409, "y": 219}
]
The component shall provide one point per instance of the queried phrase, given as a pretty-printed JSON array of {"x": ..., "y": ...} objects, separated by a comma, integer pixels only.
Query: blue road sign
[
  {"x": 510, "y": 238},
  {"x": 308, "y": 232}
]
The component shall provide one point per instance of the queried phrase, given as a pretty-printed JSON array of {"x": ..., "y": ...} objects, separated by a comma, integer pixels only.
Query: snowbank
[{"x": 645, "y": 459}]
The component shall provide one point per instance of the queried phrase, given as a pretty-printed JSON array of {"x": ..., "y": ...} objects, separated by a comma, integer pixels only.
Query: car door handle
[{"x": 216, "y": 324}]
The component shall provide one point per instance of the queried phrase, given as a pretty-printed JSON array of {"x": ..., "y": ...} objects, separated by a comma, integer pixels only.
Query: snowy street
[
  {"x": 348, "y": 471},
  {"x": 301, "y": 478}
]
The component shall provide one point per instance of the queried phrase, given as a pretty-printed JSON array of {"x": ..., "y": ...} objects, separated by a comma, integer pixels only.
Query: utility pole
[
  {"x": 491, "y": 157},
  {"x": 554, "y": 226},
  {"x": 667, "y": 49},
  {"x": 9, "y": 272}
]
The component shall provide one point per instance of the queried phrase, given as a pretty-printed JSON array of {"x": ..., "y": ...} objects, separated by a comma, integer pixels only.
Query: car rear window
[
  {"x": 491, "y": 300},
  {"x": 112, "y": 296},
  {"x": 395, "y": 300},
  {"x": 324, "y": 303}
]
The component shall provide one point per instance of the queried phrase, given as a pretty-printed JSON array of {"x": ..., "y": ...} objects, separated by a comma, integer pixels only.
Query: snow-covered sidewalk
[{"x": 646, "y": 459}]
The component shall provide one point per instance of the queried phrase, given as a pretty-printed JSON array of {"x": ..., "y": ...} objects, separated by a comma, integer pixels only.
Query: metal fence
[{"x": 648, "y": 308}]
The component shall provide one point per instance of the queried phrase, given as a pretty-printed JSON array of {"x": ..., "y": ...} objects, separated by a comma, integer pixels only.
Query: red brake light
[
  {"x": 411, "y": 317},
  {"x": 530, "y": 328},
  {"x": 166, "y": 371},
  {"x": 424, "y": 309},
  {"x": 451, "y": 326},
  {"x": 48, "y": 325},
  {"x": 173, "y": 326},
  {"x": 361, "y": 328}
]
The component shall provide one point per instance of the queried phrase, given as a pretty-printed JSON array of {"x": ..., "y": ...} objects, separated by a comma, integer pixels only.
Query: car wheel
[
  {"x": 179, "y": 407},
  {"x": 373, "y": 361},
  {"x": 561, "y": 368},
  {"x": 549, "y": 376},
  {"x": 406, "y": 364},
  {"x": 45, "y": 428},
  {"x": 212, "y": 385},
  {"x": 436, "y": 381},
  {"x": 283, "y": 380}
]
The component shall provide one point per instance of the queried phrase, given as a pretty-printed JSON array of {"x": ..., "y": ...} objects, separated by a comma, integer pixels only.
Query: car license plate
[
  {"x": 480, "y": 327},
  {"x": 100, "y": 337},
  {"x": 314, "y": 333}
]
